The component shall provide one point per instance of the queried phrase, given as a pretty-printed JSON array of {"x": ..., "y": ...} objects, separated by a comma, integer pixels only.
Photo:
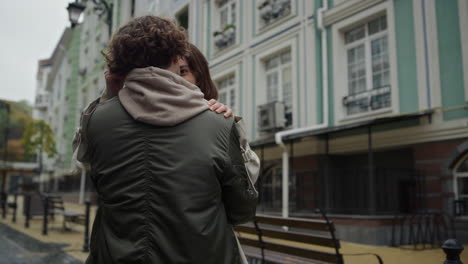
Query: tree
[
  {"x": 12, "y": 126},
  {"x": 38, "y": 137}
]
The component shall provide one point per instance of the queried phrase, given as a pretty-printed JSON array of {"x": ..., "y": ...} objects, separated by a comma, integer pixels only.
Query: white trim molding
[{"x": 346, "y": 9}]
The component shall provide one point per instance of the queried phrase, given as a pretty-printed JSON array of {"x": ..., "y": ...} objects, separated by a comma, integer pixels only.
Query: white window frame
[
  {"x": 216, "y": 15},
  {"x": 279, "y": 71},
  {"x": 261, "y": 27},
  {"x": 367, "y": 52},
  {"x": 457, "y": 175},
  {"x": 227, "y": 91},
  {"x": 260, "y": 72},
  {"x": 340, "y": 69},
  {"x": 366, "y": 41},
  {"x": 232, "y": 71}
]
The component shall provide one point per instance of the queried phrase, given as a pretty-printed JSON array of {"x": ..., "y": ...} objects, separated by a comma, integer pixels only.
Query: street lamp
[
  {"x": 74, "y": 12},
  {"x": 101, "y": 6}
]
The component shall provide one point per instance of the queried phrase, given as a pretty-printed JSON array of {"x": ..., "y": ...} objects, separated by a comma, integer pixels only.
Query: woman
[{"x": 194, "y": 68}]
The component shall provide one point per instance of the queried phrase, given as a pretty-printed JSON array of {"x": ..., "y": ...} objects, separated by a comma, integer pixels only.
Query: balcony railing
[
  {"x": 42, "y": 101},
  {"x": 371, "y": 100},
  {"x": 271, "y": 10},
  {"x": 225, "y": 37}
]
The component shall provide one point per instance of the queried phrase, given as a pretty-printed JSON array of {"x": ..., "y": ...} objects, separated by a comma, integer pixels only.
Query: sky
[{"x": 29, "y": 31}]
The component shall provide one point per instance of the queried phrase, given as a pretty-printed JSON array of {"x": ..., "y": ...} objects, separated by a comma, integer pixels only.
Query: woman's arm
[{"x": 239, "y": 195}]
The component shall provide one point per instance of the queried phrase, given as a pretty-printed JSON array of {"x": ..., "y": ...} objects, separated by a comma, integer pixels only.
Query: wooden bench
[
  {"x": 271, "y": 239},
  {"x": 56, "y": 206}
]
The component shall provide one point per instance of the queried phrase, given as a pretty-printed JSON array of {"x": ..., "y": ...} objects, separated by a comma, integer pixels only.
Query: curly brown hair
[{"x": 145, "y": 41}]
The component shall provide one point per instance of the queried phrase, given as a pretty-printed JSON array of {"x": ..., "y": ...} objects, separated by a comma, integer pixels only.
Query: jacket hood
[{"x": 159, "y": 97}]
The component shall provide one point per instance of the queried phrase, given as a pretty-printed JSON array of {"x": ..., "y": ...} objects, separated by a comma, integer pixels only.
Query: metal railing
[
  {"x": 422, "y": 231},
  {"x": 46, "y": 214},
  {"x": 369, "y": 100}
]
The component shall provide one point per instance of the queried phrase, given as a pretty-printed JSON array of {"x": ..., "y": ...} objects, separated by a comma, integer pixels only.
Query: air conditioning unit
[{"x": 271, "y": 117}]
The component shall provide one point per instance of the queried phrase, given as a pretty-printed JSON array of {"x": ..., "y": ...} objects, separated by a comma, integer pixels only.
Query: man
[{"x": 169, "y": 174}]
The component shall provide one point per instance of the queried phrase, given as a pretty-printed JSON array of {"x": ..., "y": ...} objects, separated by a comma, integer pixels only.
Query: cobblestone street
[
  {"x": 17, "y": 248},
  {"x": 13, "y": 253}
]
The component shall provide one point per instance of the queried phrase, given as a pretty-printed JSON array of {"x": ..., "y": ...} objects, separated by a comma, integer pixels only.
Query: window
[
  {"x": 183, "y": 18},
  {"x": 271, "y": 191},
  {"x": 227, "y": 91},
  {"x": 225, "y": 35},
  {"x": 368, "y": 67},
  {"x": 279, "y": 82},
  {"x": 132, "y": 9},
  {"x": 59, "y": 86},
  {"x": 270, "y": 11},
  {"x": 461, "y": 182}
]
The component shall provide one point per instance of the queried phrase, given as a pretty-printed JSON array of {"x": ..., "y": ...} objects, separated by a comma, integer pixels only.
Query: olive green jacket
[{"x": 168, "y": 193}]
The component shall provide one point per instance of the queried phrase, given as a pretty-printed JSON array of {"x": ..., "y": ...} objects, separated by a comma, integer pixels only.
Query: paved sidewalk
[
  {"x": 74, "y": 242},
  {"x": 18, "y": 248}
]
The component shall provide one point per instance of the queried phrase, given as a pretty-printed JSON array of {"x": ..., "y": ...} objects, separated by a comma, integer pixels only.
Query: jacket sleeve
[
  {"x": 80, "y": 139},
  {"x": 251, "y": 160},
  {"x": 239, "y": 195}
]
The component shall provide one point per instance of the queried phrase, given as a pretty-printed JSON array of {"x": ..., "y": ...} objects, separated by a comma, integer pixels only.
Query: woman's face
[{"x": 186, "y": 72}]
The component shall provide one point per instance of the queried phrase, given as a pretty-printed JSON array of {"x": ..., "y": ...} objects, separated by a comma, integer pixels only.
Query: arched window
[{"x": 460, "y": 183}]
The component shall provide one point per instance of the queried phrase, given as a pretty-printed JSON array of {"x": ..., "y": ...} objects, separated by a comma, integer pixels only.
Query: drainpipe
[
  {"x": 426, "y": 55},
  {"x": 82, "y": 182},
  {"x": 279, "y": 136}
]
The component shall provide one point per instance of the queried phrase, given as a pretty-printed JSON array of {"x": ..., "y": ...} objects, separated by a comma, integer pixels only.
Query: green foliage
[
  {"x": 38, "y": 136},
  {"x": 19, "y": 116}
]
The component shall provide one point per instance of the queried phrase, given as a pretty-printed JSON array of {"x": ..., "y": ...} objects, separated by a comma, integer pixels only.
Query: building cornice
[{"x": 347, "y": 9}]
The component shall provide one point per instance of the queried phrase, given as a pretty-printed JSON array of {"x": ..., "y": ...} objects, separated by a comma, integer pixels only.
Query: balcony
[
  {"x": 370, "y": 100},
  {"x": 42, "y": 101},
  {"x": 272, "y": 10},
  {"x": 226, "y": 37}
]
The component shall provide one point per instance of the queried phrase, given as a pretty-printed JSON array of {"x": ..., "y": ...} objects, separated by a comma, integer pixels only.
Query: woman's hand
[{"x": 219, "y": 108}]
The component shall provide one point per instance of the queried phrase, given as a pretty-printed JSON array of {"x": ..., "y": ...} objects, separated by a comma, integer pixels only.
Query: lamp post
[
  {"x": 6, "y": 106},
  {"x": 74, "y": 12},
  {"x": 101, "y": 6}
]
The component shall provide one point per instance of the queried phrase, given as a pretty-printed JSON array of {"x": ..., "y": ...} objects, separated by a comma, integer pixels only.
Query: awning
[{"x": 329, "y": 130}]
